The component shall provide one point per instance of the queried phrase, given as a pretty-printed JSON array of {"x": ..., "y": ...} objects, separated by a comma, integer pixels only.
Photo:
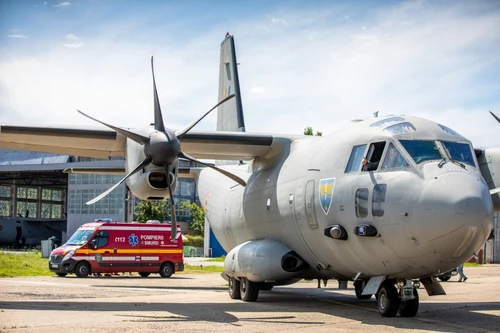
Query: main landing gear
[{"x": 401, "y": 296}]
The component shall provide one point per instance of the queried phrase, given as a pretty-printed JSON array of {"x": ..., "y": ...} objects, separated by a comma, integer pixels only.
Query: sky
[{"x": 301, "y": 63}]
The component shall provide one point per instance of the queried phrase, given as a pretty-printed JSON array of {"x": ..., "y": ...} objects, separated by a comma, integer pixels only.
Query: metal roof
[{"x": 16, "y": 157}]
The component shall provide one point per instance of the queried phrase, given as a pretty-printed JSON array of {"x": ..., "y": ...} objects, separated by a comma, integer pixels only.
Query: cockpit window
[
  {"x": 422, "y": 151},
  {"x": 400, "y": 128},
  {"x": 449, "y": 131},
  {"x": 394, "y": 159},
  {"x": 460, "y": 152},
  {"x": 357, "y": 154},
  {"x": 387, "y": 121},
  {"x": 373, "y": 156}
]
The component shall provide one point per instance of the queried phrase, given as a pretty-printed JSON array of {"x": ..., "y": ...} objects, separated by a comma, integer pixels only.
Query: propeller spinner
[{"x": 162, "y": 147}]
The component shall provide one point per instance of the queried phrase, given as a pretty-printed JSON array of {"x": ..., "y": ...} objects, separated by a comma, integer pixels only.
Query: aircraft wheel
[
  {"x": 166, "y": 270},
  {"x": 144, "y": 274},
  {"x": 266, "y": 286},
  {"x": 82, "y": 269},
  {"x": 409, "y": 308},
  {"x": 234, "y": 288},
  {"x": 249, "y": 290},
  {"x": 61, "y": 274},
  {"x": 444, "y": 278},
  {"x": 358, "y": 289},
  {"x": 388, "y": 300}
]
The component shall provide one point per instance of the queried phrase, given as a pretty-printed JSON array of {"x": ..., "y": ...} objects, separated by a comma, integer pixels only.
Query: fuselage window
[
  {"x": 394, "y": 159},
  {"x": 374, "y": 155},
  {"x": 422, "y": 151},
  {"x": 101, "y": 239},
  {"x": 361, "y": 202},
  {"x": 378, "y": 200},
  {"x": 460, "y": 152},
  {"x": 355, "y": 158}
]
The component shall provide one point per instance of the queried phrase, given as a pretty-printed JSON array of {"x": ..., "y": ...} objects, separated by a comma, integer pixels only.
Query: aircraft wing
[{"x": 101, "y": 143}]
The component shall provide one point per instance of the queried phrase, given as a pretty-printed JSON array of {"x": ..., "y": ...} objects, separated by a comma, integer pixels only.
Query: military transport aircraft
[{"x": 387, "y": 203}]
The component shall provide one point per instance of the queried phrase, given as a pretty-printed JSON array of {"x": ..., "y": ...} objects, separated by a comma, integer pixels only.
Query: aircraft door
[{"x": 309, "y": 200}]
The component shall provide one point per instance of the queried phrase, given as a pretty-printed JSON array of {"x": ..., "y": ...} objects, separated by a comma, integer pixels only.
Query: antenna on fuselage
[{"x": 375, "y": 114}]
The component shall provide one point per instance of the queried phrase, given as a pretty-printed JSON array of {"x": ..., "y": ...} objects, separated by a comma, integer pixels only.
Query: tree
[
  {"x": 151, "y": 210},
  {"x": 197, "y": 213},
  {"x": 309, "y": 131}
]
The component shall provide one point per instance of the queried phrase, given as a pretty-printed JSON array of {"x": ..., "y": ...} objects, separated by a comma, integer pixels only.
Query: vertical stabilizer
[{"x": 229, "y": 114}]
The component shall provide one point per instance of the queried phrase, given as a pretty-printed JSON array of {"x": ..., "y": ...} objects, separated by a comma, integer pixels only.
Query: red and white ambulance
[{"x": 112, "y": 247}]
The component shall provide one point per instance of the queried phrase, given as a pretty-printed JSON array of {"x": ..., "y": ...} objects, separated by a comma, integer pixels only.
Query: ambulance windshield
[{"x": 80, "y": 237}]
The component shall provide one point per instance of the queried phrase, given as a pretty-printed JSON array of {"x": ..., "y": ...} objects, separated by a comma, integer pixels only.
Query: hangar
[{"x": 38, "y": 200}]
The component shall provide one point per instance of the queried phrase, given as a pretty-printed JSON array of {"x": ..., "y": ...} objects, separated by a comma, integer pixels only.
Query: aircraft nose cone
[{"x": 455, "y": 214}]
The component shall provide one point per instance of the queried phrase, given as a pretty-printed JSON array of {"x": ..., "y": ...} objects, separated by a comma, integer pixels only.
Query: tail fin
[{"x": 229, "y": 114}]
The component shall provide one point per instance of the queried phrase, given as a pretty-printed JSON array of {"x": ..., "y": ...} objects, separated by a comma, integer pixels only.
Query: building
[{"x": 38, "y": 200}]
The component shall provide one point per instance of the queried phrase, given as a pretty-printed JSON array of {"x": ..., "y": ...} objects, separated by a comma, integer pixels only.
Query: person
[
  {"x": 460, "y": 270},
  {"x": 369, "y": 166}
]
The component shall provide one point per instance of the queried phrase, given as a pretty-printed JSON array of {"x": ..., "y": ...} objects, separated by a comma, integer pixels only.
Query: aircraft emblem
[{"x": 326, "y": 187}]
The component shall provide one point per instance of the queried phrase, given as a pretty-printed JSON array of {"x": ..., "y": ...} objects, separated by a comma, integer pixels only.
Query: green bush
[{"x": 196, "y": 241}]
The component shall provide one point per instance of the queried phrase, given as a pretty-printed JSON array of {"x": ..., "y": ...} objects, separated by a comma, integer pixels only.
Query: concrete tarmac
[{"x": 200, "y": 303}]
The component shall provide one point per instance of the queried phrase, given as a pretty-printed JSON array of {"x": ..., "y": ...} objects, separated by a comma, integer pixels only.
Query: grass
[
  {"x": 471, "y": 264},
  {"x": 189, "y": 269},
  {"x": 220, "y": 259},
  {"x": 32, "y": 264},
  {"x": 29, "y": 263}
]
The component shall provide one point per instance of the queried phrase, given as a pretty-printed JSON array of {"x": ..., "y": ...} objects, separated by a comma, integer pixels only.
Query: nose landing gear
[{"x": 394, "y": 297}]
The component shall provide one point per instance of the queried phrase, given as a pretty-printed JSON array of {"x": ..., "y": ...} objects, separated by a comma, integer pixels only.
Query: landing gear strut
[{"x": 404, "y": 298}]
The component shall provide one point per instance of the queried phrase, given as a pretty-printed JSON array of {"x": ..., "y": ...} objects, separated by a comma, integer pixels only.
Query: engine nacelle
[
  {"x": 263, "y": 260},
  {"x": 489, "y": 164},
  {"x": 151, "y": 185}
]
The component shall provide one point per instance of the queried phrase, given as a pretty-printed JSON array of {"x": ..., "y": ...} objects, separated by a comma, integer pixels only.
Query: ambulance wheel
[
  {"x": 144, "y": 274},
  {"x": 234, "y": 288},
  {"x": 249, "y": 290},
  {"x": 166, "y": 270},
  {"x": 82, "y": 269},
  {"x": 61, "y": 274}
]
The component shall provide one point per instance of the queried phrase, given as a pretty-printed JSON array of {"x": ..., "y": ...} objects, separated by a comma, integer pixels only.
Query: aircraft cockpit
[{"x": 406, "y": 145}]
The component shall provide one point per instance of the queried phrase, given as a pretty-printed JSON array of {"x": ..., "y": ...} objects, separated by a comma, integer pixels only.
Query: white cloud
[
  {"x": 434, "y": 68},
  {"x": 62, "y": 4},
  {"x": 19, "y": 36},
  {"x": 73, "y": 42}
]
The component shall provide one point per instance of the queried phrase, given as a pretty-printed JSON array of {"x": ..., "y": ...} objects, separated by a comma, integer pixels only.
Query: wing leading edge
[{"x": 102, "y": 143}]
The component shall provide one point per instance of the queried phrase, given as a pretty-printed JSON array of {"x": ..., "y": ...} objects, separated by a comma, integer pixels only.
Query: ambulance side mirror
[{"x": 93, "y": 244}]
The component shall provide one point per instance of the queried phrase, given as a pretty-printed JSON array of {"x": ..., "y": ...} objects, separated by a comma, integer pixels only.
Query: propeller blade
[
  {"x": 139, "y": 167},
  {"x": 494, "y": 116},
  {"x": 159, "y": 126},
  {"x": 173, "y": 230},
  {"x": 495, "y": 191},
  {"x": 180, "y": 133},
  {"x": 224, "y": 172},
  {"x": 131, "y": 135}
]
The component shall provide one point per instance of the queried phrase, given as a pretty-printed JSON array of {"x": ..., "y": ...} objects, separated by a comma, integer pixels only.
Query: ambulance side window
[{"x": 101, "y": 239}]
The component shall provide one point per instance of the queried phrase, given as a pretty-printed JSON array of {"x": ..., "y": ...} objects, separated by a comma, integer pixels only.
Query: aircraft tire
[
  {"x": 249, "y": 290},
  {"x": 409, "y": 308},
  {"x": 61, "y": 274},
  {"x": 166, "y": 270},
  {"x": 388, "y": 300},
  {"x": 82, "y": 269},
  {"x": 234, "y": 288},
  {"x": 266, "y": 286},
  {"x": 144, "y": 274},
  {"x": 445, "y": 278},
  {"x": 358, "y": 290}
]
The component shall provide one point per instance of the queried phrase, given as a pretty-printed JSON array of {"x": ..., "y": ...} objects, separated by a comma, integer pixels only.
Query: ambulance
[{"x": 114, "y": 247}]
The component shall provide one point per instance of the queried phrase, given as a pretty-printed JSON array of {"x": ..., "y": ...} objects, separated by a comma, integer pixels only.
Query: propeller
[
  {"x": 162, "y": 148},
  {"x": 494, "y": 116}
]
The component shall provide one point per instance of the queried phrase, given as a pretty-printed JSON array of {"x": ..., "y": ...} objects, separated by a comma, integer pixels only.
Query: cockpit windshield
[
  {"x": 459, "y": 152},
  {"x": 422, "y": 151},
  {"x": 80, "y": 237}
]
